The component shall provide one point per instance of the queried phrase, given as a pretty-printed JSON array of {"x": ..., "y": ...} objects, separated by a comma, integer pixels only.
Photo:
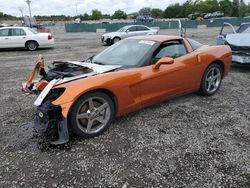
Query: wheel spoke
[
  {"x": 212, "y": 72},
  {"x": 216, "y": 76},
  {"x": 102, "y": 107},
  {"x": 101, "y": 119},
  {"x": 83, "y": 116},
  {"x": 90, "y": 123},
  {"x": 209, "y": 86},
  {"x": 91, "y": 104}
]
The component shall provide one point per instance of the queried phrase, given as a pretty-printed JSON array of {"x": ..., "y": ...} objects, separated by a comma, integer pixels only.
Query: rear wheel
[
  {"x": 31, "y": 45},
  {"x": 211, "y": 80},
  {"x": 91, "y": 115}
]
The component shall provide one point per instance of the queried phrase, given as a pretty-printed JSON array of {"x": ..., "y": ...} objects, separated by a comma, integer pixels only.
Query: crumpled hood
[
  {"x": 239, "y": 39},
  {"x": 97, "y": 69}
]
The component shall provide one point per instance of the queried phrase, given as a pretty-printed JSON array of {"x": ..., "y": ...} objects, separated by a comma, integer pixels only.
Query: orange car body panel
[{"x": 143, "y": 86}]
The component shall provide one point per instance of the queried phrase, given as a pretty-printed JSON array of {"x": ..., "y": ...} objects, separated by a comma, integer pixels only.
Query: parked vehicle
[
  {"x": 196, "y": 15},
  {"x": 127, "y": 31},
  {"x": 216, "y": 14},
  {"x": 85, "y": 96},
  {"x": 3, "y": 25},
  {"x": 24, "y": 37},
  {"x": 77, "y": 21},
  {"x": 144, "y": 19},
  {"x": 239, "y": 41}
]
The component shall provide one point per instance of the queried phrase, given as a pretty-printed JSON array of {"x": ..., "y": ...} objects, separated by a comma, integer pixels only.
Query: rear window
[
  {"x": 194, "y": 44},
  {"x": 33, "y": 31}
]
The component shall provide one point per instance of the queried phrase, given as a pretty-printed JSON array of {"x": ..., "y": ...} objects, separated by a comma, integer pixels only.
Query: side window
[
  {"x": 142, "y": 28},
  {"x": 133, "y": 28},
  {"x": 172, "y": 49},
  {"x": 17, "y": 32},
  {"x": 4, "y": 32}
]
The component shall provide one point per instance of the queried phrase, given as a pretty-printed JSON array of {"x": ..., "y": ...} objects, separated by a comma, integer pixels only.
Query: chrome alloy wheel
[
  {"x": 213, "y": 80},
  {"x": 93, "y": 115}
]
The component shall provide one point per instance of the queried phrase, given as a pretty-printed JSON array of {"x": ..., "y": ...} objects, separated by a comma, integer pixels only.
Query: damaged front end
[
  {"x": 49, "y": 117},
  {"x": 238, "y": 40},
  {"x": 241, "y": 54}
]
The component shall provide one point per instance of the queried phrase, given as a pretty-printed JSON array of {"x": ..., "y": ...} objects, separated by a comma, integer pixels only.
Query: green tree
[
  {"x": 156, "y": 13},
  {"x": 119, "y": 14},
  {"x": 173, "y": 11},
  {"x": 96, "y": 14},
  {"x": 242, "y": 9},
  {"x": 146, "y": 11},
  {"x": 85, "y": 16},
  {"x": 235, "y": 8},
  {"x": 226, "y": 6},
  {"x": 1, "y": 15}
]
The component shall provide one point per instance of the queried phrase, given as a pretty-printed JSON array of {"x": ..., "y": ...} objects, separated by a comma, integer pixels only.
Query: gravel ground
[{"x": 190, "y": 141}]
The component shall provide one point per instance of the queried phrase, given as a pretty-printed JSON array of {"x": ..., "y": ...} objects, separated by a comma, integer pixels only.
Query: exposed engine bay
[{"x": 60, "y": 72}]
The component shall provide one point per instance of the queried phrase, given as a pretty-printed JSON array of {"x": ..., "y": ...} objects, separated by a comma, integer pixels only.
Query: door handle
[
  {"x": 24, "y": 37},
  {"x": 6, "y": 38}
]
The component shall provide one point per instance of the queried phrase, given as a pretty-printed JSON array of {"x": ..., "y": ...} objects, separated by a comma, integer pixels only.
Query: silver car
[{"x": 127, "y": 31}]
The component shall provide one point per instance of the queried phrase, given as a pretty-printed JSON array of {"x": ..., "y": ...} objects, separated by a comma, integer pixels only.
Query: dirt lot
[{"x": 191, "y": 141}]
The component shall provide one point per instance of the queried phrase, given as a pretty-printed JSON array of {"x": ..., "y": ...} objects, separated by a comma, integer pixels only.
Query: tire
[
  {"x": 91, "y": 115},
  {"x": 211, "y": 80},
  {"x": 32, "y": 45},
  {"x": 115, "y": 40}
]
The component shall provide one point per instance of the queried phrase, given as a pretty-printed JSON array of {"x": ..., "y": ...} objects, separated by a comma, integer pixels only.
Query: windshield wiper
[
  {"x": 98, "y": 63},
  {"x": 89, "y": 60}
]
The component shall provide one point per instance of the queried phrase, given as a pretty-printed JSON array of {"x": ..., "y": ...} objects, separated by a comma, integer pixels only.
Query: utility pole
[
  {"x": 76, "y": 4},
  {"x": 28, "y": 2}
]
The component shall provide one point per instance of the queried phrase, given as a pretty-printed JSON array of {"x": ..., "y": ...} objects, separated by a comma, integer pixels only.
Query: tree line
[
  {"x": 235, "y": 8},
  {"x": 177, "y": 10}
]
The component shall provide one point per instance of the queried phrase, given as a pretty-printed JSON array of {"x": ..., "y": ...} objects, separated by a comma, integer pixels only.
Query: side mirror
[
  {"x": 163, "y": 61},
  {"x": 127, "y": 30}
]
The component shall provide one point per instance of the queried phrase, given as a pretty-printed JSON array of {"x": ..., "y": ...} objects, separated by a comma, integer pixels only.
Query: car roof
[
  {"x": 134, "y": 25},
  {"x": 157, "y": 38},
  {"x": 13, "y": 27}
]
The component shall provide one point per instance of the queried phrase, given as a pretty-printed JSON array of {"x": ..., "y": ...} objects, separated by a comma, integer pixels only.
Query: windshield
[
  {"x": 127, "y": 52},
  {"x": 194, "y": 44},
  {"x": 123, "y": 29},
  {"x": 244, "y": 28}
]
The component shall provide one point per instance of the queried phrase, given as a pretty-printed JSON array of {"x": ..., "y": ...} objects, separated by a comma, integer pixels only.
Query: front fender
[{"x": 124, "y": 85}]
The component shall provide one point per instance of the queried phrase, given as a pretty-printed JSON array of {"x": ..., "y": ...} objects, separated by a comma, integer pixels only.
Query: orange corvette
[{"x": 83, "y": 97}]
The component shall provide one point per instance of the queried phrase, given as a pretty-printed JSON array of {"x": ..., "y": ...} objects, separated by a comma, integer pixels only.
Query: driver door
[
  {"x": 131, "y": 31},
  {"x": 171, "y": 79},
  {"x": 226, "y": 29}
]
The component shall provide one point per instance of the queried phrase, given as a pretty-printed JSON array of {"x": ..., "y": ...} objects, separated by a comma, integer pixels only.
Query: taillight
[{"x": 50, "y": 37}]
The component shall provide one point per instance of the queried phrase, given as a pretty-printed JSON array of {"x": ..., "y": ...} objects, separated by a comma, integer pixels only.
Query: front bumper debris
[
  {"x": 106, "y": 40},
  {"x": 243, "y": 59},
  {"x": 49, "y": 118}
]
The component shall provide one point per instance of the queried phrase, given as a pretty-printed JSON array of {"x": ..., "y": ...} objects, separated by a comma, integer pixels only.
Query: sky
[{"x": 68, "y": 7}]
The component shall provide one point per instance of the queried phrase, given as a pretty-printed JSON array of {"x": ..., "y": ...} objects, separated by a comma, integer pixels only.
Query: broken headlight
[{"x": 54, "y": 94}]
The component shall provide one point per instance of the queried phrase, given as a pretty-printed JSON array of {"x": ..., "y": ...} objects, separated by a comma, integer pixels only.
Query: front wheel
[
  {"x": 91, "y": 115},
  {"x": 116, "y": 39},
  {"x": 211, "y": 80}
]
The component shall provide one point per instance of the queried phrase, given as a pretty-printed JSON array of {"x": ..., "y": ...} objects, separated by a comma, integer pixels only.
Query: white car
[
  {"x": 127, "y": 31},
  {"x": 24, "y": 37}
]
